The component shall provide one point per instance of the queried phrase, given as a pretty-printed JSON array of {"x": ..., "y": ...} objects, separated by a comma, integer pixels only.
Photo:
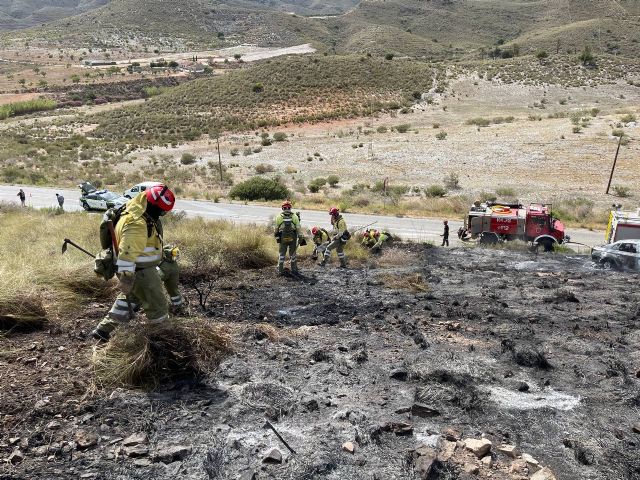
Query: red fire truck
[{"x": 491, "y": 223}]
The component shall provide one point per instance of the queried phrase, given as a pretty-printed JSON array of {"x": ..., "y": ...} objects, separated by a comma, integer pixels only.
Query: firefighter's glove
[
  {"x": 302, "y": 242},
  {"x": 125, "y": 281}
]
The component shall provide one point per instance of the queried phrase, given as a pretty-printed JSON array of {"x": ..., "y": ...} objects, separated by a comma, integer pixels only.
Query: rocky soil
[{"x": 426, "y": 363}]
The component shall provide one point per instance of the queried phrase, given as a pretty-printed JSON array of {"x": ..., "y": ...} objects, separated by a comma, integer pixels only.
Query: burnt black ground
[{"x": 490, "y": 321}]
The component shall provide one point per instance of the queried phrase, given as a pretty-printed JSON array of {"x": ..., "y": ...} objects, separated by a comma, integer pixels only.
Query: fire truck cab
[{"x": 492, "y": 222}]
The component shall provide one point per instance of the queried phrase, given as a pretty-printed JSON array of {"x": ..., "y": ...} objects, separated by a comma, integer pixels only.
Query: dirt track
[{"x": 469, "y": 329}]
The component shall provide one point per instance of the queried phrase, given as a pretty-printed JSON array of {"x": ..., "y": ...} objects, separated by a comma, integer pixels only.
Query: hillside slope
[
  {"x": 436, "y": 29},
  {"x": 169, "y": 24},
  {"x": 16, "y": 14}
]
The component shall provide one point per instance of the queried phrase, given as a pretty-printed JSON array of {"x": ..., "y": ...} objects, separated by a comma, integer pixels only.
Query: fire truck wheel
[{"x": 546, "y": 244}]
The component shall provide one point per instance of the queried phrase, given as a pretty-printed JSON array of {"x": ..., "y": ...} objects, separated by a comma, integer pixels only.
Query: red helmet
[
  {"x": 161, "y": 197},
  {"x": 315, "y": 230},
  {"x": 286, "y": 205},
  {"x": 333, "y": 211}
]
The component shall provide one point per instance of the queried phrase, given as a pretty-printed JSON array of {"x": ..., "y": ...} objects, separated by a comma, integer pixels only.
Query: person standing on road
[
  {"x": 445, "y": 234},
  {"x": 288, "y": 234},
  {"x": 139, "y": 240},
  {"x": 60, "y": 201},
  {"x": 23, "y": 198},
  {"x": 340, "y": 236}
]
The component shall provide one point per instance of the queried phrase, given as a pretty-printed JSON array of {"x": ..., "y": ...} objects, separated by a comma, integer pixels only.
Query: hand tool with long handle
[{"x": 69, "y": 242}]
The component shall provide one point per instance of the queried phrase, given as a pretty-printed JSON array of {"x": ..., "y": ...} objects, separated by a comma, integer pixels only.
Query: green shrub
[
  {"x": 187, "y": 159},
  {"x": 507, "y": 192},
  {"x": 621, "y": 191},
  {"x": 279, "y": 137},
  {"x": 628, "y": 118},
  {"x": 403, "y": 128},
  {"x": 441, "y": 135},
  {"x": 435, "y": 191},
  {"x": 260, "y": 188},
  {"x": 381, "y": 129},
  {"x": 333, "y": 180},
  {"x": 479, "y": 121}
]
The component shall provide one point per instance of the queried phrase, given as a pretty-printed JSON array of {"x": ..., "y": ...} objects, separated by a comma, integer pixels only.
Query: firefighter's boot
[{"x": 101, "y": 335}]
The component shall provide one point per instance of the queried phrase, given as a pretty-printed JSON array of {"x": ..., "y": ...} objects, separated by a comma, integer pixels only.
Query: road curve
[{"x": 418, "y": 229}]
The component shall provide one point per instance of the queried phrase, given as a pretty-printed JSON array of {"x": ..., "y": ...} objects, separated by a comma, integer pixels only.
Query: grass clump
[
  {"x": 22, "y": 312},
  {"x": 146, "y": 356}
]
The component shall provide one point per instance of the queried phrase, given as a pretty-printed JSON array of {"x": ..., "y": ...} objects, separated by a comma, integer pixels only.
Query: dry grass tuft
[
  {"x": 146, "y": 356},
  {"x": 414, "y": 282},
  {"x": 22, "y": 312},
  {"x": 266, "y": 330},
  {"x": 81, "y": 280},
  {"x": 396, "y": 257}
]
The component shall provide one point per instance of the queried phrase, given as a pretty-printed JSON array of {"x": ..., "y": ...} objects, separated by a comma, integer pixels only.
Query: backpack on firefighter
[{"x": 105, "y": 261}]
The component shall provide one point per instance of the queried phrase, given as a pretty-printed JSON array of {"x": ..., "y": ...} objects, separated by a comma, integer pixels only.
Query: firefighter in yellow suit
[
  {"x": 139, "y": 241},
  {"x": 288, "y": 234}
]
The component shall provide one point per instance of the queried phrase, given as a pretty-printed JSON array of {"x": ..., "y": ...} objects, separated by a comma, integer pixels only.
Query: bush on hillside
[{"x": 259, "y": 188}]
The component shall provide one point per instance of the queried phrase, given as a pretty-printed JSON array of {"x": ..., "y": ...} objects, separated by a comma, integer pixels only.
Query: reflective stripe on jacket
[{"x": 137, "y": 249}]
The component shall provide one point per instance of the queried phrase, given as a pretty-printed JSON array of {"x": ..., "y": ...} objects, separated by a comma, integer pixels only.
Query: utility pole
[
  {"x": 614, "y": 164},
  {"x": 219, "y": 157}
]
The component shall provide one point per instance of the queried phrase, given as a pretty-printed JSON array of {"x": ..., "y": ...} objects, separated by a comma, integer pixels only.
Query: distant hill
[
  {"x": 434, "y": 28},
  {"x": 15, "y": 14},
  {"x": 418, "y": 27},
  {"x": 176, "y": 24}
]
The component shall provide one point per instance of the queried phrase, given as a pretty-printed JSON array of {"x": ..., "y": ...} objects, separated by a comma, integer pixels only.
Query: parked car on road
[
  {"x": 94, "y": 199},
  {"x": 621, "y": 255},
  {"x": 141, "y": 187}
]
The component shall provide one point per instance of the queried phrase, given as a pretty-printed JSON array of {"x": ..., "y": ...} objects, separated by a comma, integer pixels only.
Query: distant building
[
  {"x": 99, "y": 63},
  {"x": 192, "y": 67}
]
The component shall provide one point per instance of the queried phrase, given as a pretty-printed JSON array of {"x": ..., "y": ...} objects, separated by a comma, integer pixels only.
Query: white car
[
  {"x": 141, "y": 187},
  {"x": 94, "y": 199}
]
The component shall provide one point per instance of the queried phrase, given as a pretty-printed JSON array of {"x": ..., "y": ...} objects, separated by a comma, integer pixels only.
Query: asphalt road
[{"x": 420, "y": 229}]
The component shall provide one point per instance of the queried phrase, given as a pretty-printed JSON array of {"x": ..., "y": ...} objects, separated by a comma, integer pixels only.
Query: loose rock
[
  {"x": 479, "y": 448},
  {"x": 533, "y": 464},
  {"x": 544, "y": 474},
  {"x": 423, "y": 459},
  {"x": 424, "y": 411},
  {"x": 349, "y": 447},
  {"x": 487, "y": 461},
  {"x": 446, "y": 450},
  {"x": 85, "y": 439},
  {"x": 509, "y": 450},
  {"x": 274, "y": 456},
  {"x": 53, "y": 425},
  {"x": 471, "y": 468},
  {"x": 135, "y": 439},
  {"x": 136, "y": 451},
  {"x": 171, "y": 454},
  {"x": 400, "y": 374},
  {"x": 16, "y": 457}
]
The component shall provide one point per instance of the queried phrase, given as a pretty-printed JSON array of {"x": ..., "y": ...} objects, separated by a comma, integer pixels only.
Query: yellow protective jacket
[
  {"x": 321, "y": 237},
  {"x": 288, "y": 224},
  {"x": 369, "y": 239},
  {"x": 139, "y": 238},
  {"x": 339, "y": 226}
]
